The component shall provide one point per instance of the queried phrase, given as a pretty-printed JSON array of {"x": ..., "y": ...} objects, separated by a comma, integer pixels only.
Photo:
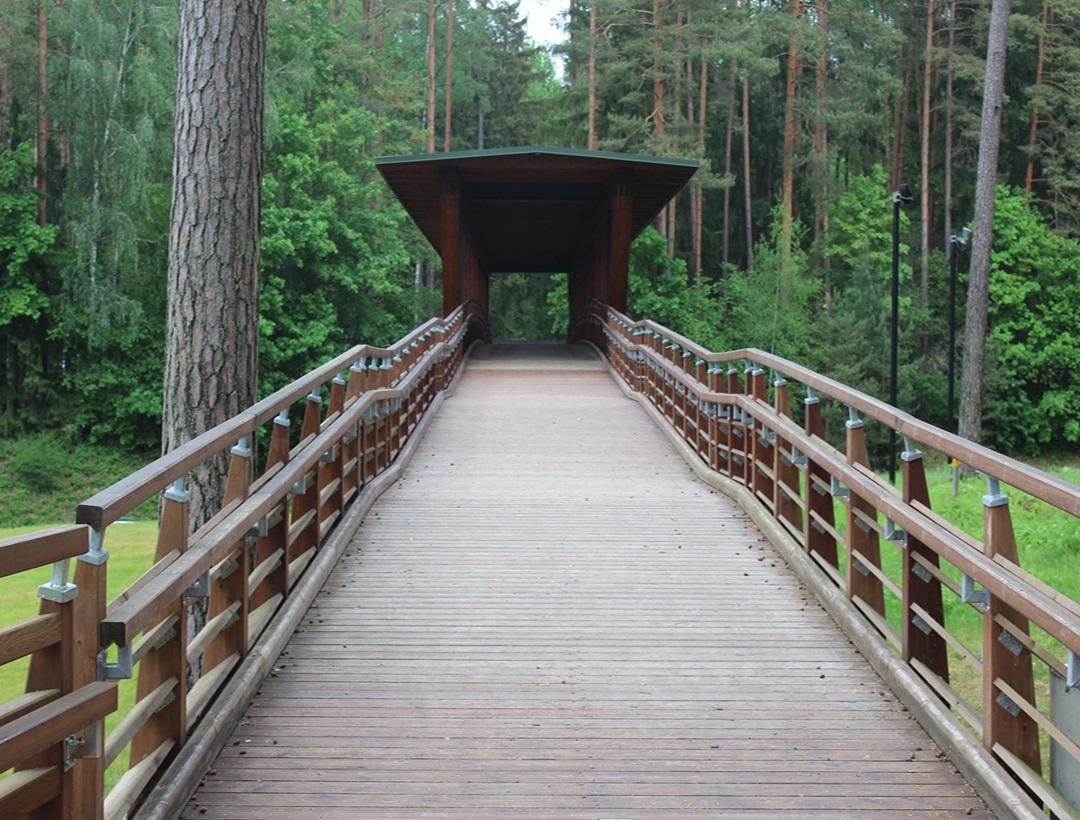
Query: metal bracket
[
  {"x": 838, "y": 490},
  {"x": 121, "y": 670},
  {"x": 328, "y": 456},
  {"x": 862, "y": 525},
  {"x": 922, "y": 573},
  {"x": 911, "y": 452},
  {"x": 895, "y": 533},
  {"x": 767, "y": 437},
  {"x": 58, "y": 589},
  {"x": 242, "y": 448},
  {"x": 91, "y": 746},
  {"x": 302, "y": 485},
  {"x": 201, "y": 587},
  {"x": 1072, "y": 670},
  {"x": 860, "y": 567},
  {"x": 798, "y": 457},
  {"x": 169, "y": 634},
  {"x": 994, "y": 497},
  {"x": 178, "y": 492},
  {"x": 811, "y": 396},
  {"x": 260, "y": 529},
  {"x": 920, "y": 624},
  {"x": 1007, "y": 703},
  {"x": 816, "y": 526},
  {"x": 1008, "y": 640},
  {"x": 853, "y": 422},
  {"x": 97, "y": 554},
  {"x": 971, "y": 594}
]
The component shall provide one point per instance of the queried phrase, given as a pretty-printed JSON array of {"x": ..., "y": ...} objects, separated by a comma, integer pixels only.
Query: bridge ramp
[{"x": 548, "y": 616}]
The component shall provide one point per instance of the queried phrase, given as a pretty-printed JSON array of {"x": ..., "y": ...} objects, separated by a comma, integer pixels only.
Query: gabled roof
[{"x": 528, "y": 205}]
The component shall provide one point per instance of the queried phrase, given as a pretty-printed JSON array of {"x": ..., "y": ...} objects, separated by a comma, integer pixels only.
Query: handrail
[
  {"x": 792, "y": 474},
  {"x": 104, "y": 507},
  {"x": 243, "y": 563},
  {"x": 1049, "y": 488}
]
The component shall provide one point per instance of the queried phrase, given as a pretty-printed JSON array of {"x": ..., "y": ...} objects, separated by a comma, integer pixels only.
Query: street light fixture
[
  {"x": 956, "y": 244},
  {"x": 903, "y": 196}
]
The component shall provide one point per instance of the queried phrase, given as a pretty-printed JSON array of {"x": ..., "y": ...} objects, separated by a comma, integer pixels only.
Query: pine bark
[
  {"x": 788, "y": 184},
  {"x": 1033, "y": 135},
  {"x": 747, "y": 198},
  {"x": 431, "y": 77},
  {"x": 971, "y": 384},
  {"x": 821, "y": 133},
  {"x": 212, "y": 332},
  {"x": 949, "y": 123},
  {"x": 658, "y": 100},
  {"x": 924, "y": 164},
  {"x": 42, "y": 173},
  {"x": 448, "y": 114},
  {"x": 592, "y": 141},
  {"x": 699, "y": 191},
  {"x": 725, "y": 253}
]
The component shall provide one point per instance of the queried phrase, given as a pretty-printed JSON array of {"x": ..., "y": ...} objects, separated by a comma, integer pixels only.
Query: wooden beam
[{"x": 450, "y": 238}]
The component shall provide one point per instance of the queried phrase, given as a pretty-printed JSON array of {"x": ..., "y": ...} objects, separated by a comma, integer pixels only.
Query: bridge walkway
[{"x": 548, "y": 616}]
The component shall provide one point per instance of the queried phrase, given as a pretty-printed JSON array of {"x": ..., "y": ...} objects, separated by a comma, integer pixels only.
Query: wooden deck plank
[{"x": 548, "y": 616}]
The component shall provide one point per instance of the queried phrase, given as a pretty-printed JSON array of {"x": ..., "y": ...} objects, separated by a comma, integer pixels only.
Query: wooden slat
[
  {"x": 211, "y": 629},
  {"x": 20, "y": 640},
  {"x": 1033, "y": 780},
  {"x": 39, "y": 549},
  {"x": 133, "y": 781},
  {"x": 27, "y": 702},
  {"x": 23, "y": 792},
  {"x": 204, "y": 689},
  {"x": 54, "y": 721},
  {"x": 949, "y": 695},
  {"x": 118, "y": 739}
]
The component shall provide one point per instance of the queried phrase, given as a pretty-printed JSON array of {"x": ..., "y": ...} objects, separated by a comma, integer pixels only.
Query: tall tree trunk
[
  {"x": 971, "y": 383},
  {"x": 592, "y": 141},
  {"x": 821, "y": 134},
  {"x": 480, "y": 127},
  {"x": 924, "y": 165},
  {"x": 431, "y": 77},
  {"x": 788, "y": 184},
  {"x": 658, "y": 98},
  {"x": 449, "y": 73},
  {"x": 212, "y": 332},
  {"x": 42, "y": 174},
  {"x": 902, "y": 112},
  {"x": 949, "y": 123},
  {"x": 699, "y": 191},
  {"x": 748, "y": 205},
  {"x": 1033, "y": 135},
  {"x": 725, "y": 252}
]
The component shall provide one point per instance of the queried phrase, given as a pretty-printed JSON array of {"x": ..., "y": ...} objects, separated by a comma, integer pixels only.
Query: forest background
[{"x": 805, "y": 118}]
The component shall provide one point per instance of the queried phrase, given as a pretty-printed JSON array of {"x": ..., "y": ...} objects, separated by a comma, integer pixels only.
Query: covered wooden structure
[{"x": 534, "y": 210}]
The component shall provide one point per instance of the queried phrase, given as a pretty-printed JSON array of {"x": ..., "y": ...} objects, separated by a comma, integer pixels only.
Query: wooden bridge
[{"x": 625, "y": 577}]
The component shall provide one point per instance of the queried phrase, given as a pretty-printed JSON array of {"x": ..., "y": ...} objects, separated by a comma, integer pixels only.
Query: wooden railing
[
  {"x": 743, "y": 430},
  {"x": 243, "y": 563}
]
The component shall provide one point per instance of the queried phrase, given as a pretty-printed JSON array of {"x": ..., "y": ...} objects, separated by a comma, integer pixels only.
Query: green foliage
[
  {"x": 1034, "y": 393},
  {"x": 22, "y": 241}
]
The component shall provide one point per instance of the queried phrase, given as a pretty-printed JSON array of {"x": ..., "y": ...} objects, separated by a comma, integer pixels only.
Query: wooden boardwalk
[{"x": 548, "y": 616}]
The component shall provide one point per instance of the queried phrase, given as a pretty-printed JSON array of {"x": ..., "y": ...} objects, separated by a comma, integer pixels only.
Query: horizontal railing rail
[
  {"x": 745, "y": 431},
  {"x": 187, "y": 623}
]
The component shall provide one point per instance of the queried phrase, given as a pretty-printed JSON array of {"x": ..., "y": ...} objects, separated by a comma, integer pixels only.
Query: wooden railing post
[
  {"x": 277, "y": 533},
  {"x": 736, "y": 438},
  {"x": 819, "y": 502},
  {"x": 87, "y": 777},
  {"x": 760, "y": 448},
  {"x": 169, "y": 658},
  {"x": 305, "y": 504},
  {"x": 919, "y": 641},
  {"x": 861, "y": 537},
  {"x": 231, "y": 584},
  {"x": 1005, "y": 659},
  {"x": 784, "y": 469}
]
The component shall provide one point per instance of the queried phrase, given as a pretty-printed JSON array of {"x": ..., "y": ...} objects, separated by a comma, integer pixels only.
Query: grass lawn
[{"x": 131, "y": 552}]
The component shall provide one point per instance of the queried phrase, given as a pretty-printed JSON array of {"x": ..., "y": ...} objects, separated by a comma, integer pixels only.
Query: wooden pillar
[
  {"x": 819, "y": 503},
  {"x": 918, "y": 640},
  {"x": 784, "y": 469},
  {"x": 860, "y": 536},
  {"x": 450, "y": 238},
  {"x": 622, "y": 205},
  {"x": 1004, "y": 658}
]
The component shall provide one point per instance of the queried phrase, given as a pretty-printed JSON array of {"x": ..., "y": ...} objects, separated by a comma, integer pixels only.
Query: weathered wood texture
[{"x": 548, "y": 616}]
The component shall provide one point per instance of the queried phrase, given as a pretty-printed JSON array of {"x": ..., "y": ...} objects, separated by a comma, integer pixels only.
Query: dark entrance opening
[{"x": 528, "y": 307}]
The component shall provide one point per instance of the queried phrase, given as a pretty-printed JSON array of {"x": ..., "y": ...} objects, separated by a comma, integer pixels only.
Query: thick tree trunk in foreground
[
  {"x": 430, "y": 77},
  {"x": 212, "y": 334},
  {"x": 971, "y": 383}
]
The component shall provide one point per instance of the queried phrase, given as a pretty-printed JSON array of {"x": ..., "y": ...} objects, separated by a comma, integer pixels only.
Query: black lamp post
[
  {"x": 901, "y": 197},
  {"x": 956, "y": 244}
]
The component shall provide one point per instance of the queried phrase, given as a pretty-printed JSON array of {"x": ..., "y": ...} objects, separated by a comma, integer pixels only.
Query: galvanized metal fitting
[
  {"x": 994, "y": 497},
  {"x": 57, "y": 588},
  {"x": 242, "y": 449},
  {"x": 314, "y": 396},
  {"x": 853, "y": 422},
  {"x": 970, "y": 593},
  {"x": 811, "y": 396},
  {"x": 121, "y": 670},
  {"x": 178, "y": 491},
  {"x": 97, "y": 554},
  {"x": 779, "y": 381},
  {"x": 282, "y": 418},
  {"x": 911, "y": 452}
]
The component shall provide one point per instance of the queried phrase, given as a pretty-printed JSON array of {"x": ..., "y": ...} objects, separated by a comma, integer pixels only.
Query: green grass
[
  {"x": 44, "y": 477},
  {"x": 131, "y": 552},
  {"x": 1048, "y": 542}
]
